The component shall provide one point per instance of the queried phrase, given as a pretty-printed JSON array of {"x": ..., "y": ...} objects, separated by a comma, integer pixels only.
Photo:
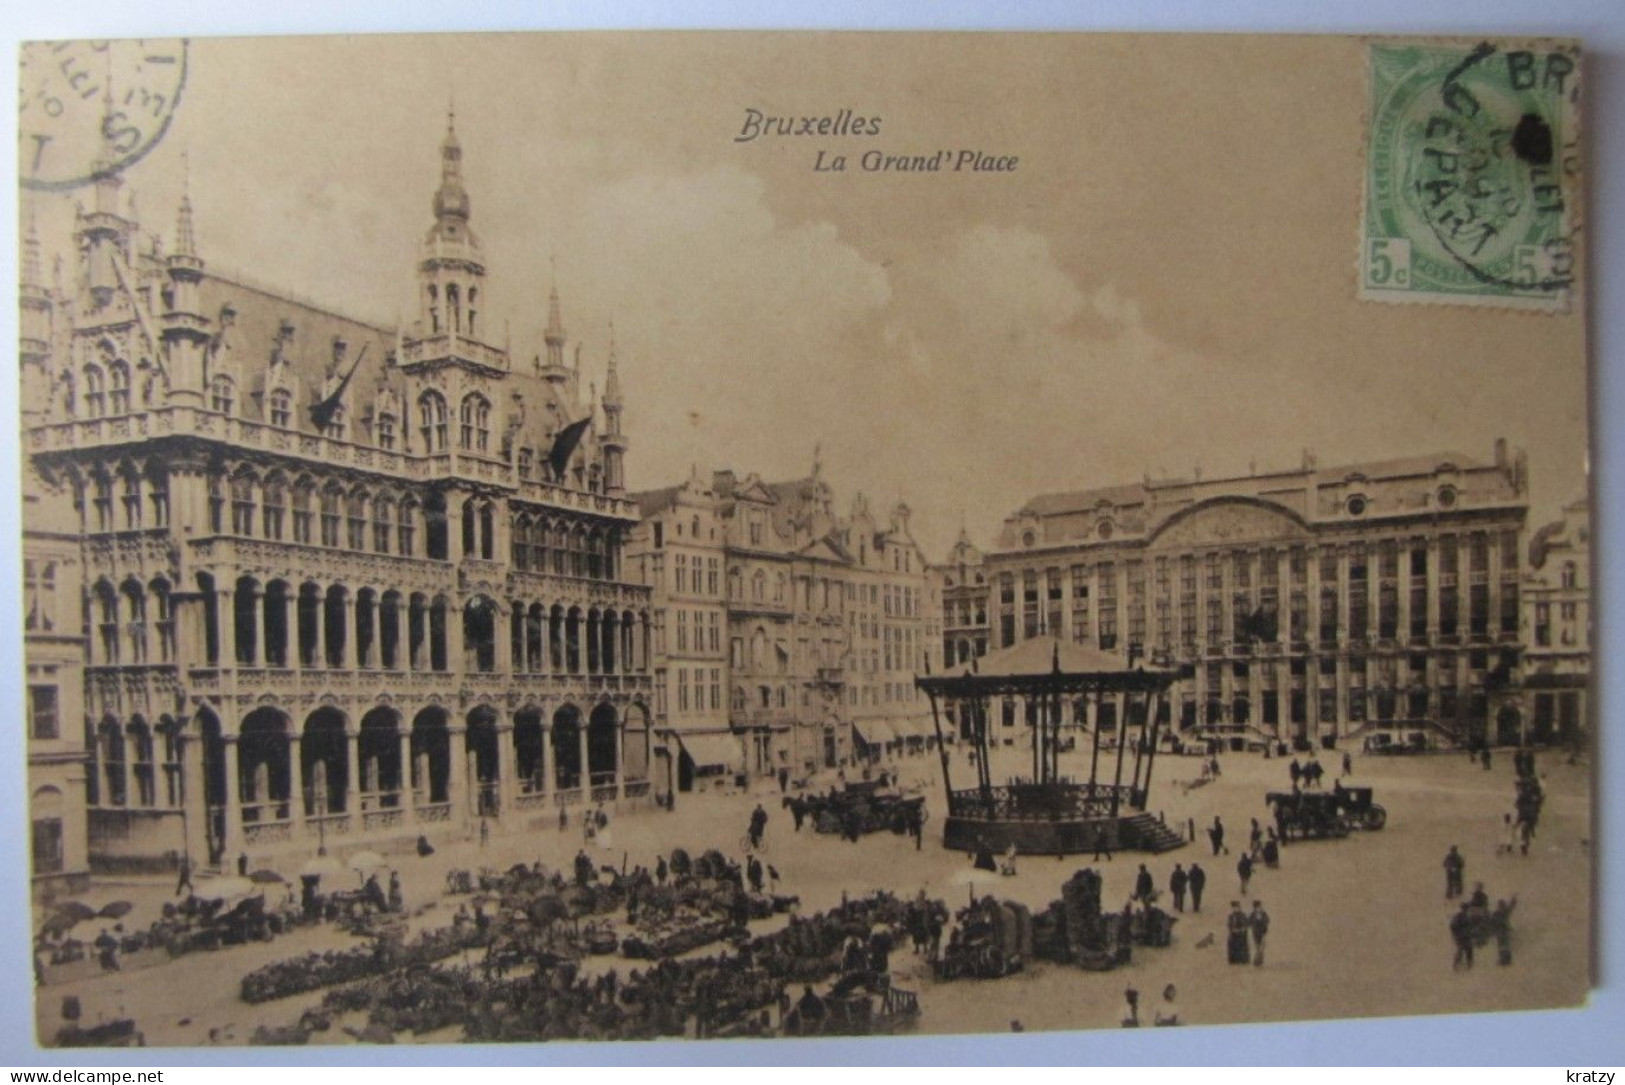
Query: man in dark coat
[
  {"x": 1143, "y": 884},
  {"x": 1454, "y": 867},
  {"x": 1260, "y": 921},
  {"x": 1198, "y": 882},
  {"x": 1216, "y": 834},
  {"x": 1244, "y": 868},
  {"x": 1176, "y": 885},
  {"x": 1461, "y": 933},
  {"x": 1238, "y": 928}
]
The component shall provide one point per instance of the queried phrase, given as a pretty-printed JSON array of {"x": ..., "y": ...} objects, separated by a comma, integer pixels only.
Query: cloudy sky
[{"x": 1166, "y": 279}]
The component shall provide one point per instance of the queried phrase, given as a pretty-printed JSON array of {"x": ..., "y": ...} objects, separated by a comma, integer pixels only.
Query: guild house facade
[
  {"x": 1317, "y": 604},
  {"x": 790, "y": 635},
  {"x": 1557, "y": 607},
  {"x": 297, "y": 580}
]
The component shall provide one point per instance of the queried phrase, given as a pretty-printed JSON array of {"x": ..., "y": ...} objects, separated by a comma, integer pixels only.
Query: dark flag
[
  {"x": 322, "y": 413},
  {"x": 564, "y": 446},
  {"x": 1259, "y": 625}
]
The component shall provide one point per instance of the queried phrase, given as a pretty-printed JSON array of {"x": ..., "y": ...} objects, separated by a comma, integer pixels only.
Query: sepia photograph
[{"x": 629, "y": 536}]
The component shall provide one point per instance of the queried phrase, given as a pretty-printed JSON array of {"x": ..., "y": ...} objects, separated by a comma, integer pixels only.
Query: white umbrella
[
  {"x": 365, "y": 861},
  {"x": 227, "y": 889},
  {"x": 322, "y": 866}
]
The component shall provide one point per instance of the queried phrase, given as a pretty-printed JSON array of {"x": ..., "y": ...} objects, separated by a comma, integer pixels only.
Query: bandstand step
[{"x": 1149, "y": 834}]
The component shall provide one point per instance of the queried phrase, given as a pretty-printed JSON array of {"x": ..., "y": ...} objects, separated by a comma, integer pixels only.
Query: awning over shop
[
  {"x": 714, "y": 749},
  {"x": 873, "y": 732},
  {"x": 915, "y": 727}
]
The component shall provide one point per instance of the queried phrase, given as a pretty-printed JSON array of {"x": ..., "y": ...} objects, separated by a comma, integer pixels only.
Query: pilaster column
[
  {"x": 296, "y": 782},
  {"x": 320, "y": 651},
  {"x": 192, "y": 799},
  {"x": 403, "y": 775},
  {"x": 544, "y": 760},
  {"x": 1344, "y": 615},
  {"x": 351, "y": 659},
  {"x": 1435, "y": 578},
  {"x": 225, "y": 623},
  {"x": 457, "y": 777},
  {"x": 620, "y": 759},
  {"x": 586, "y": 769},
  {"x": 506, "y": 785},
  {"x": 352, "y": 766},
  {"x": 234, "y": 800}
]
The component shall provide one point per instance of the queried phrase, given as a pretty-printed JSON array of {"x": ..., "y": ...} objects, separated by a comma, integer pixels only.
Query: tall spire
[
  {"x": 451, "y": 199},
  {"x": 185, "y": 242},
  {"x": 612, "y": 379},
  {"x": 31, "y": 253}
]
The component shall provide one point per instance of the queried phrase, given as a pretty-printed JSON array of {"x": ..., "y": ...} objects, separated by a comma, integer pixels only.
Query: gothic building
[
  {"x": 1315, "y": 604},
  {"x": 341, "y": 583},
  {"x": 790, "y": 635}
]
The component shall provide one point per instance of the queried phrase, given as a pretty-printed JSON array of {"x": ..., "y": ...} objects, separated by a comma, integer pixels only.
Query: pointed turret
[
  {"x": 614, "y": 440},
  {"x": 553, "y": 367},
  {"x": 185, "y": 330},
  {"x": 451, "y": 278},
  {"x": 36, "y": 308}
]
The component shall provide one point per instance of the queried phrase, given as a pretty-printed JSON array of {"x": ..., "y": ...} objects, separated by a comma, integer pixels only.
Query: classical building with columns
[
  {"x": 343, "y": 584},
  {"x": 1315, "y": 604},
  {"x": 789, "y": 635}
]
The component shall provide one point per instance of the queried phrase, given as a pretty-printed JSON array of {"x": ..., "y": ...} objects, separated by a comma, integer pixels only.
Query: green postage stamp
[{"x": 1472, "y": 186}]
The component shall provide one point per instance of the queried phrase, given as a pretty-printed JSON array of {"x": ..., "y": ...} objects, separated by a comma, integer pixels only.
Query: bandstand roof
[{"x": 1049, "y": 665}]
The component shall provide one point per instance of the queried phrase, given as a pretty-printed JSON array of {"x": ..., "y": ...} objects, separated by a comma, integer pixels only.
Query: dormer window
[
  {"x": 335, "y": 427},
  {"x": 221, "y": 395},
  {"x": 386, "y": 431},
  {"x": 281, "y": 412},
  {"x": 432, "y": 421},
  {"x": 475, "y": 416}
]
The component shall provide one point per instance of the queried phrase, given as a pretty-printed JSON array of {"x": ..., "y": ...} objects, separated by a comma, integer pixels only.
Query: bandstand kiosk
[{"x": 1048, "y": 813}]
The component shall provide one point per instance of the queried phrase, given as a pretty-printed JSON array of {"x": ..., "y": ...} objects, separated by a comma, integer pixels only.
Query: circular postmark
[
  {"x": 90, "y": 109},
  {"x": 1477, "y": 154}
]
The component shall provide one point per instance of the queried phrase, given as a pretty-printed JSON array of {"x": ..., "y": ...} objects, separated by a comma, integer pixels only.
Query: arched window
[
  {"x": 383, "y": 523},
  {"x": 1571, "y": 574},
  {"x": 274, "y": 505},
  {"x": 454, "y": 315},
  {"x": 473, "y": 299},
  {"x": 222, "y": 395},
  {"x": 434, "y": 310},
  {"x": 476, "y": 423},
  {"x": 95, "y": 391},
  {"x": 303, "y": 491},
  {"x": 386, "y": 431},
  {"x": 432, "y": 421},
  {"x": 331, "y": 497},
  {"x": 118, "y": 399},
  {"x": 132, "y": 497},
  {"x": 281, "y": 408},
  {"x": 408, "y": 527},
  {"x": 356, "y": 520},
  {"x": 242, "y": 503}
]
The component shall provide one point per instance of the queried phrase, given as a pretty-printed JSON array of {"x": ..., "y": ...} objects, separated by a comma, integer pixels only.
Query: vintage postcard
[{"x": 622, "y": 536}]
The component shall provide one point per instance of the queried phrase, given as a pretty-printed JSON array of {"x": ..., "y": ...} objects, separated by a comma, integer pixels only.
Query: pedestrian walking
[
  {"x": 1260, "y": 922},
  {"x": 242, "y": 865},
  {"x": 1198, "y": 882},
  {"x": 1348, "y": 763},
  {"x": 1461, "y": 933},
  {"x": 1501, "y": 925},
  {"x": 1177, "y": 883},
  {"x": 1255, "y": 839},
  {"x": 1238, "y": 929},
  {"x": 184, "y": 882},
  {"x": 1102, "y": 844},
  {"x": 1132, "y": 997},
  {"x": 1295, "y": 771},
  {"x": 1216, "y": 835},
  {"x": 1144, "y": 887},
  {"x": 1244, "y": 867},
  {"x": 1454, "y": 867},
  {"x": 661, "y": 870},
  {"x": 784, "y": 780}
]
